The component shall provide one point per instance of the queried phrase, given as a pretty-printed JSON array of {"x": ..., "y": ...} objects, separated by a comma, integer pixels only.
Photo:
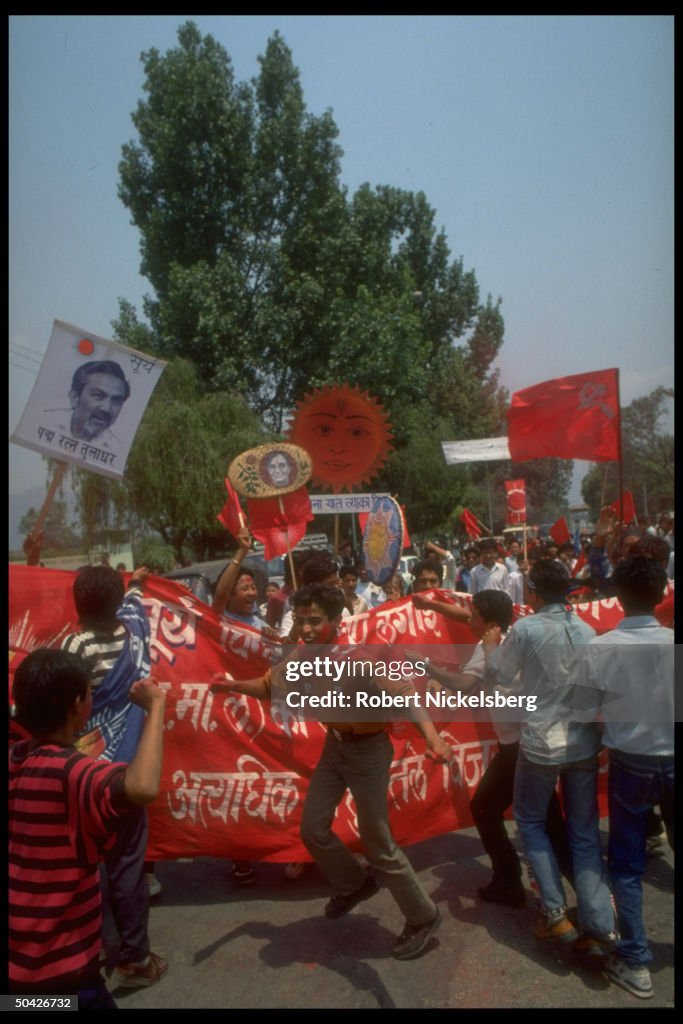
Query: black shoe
[
  {"x": 243, "y": 873},
  {"x": 340, "y": 905},
  {"x": 414, "y": 938},
  {"x": 499, "y": 891}
]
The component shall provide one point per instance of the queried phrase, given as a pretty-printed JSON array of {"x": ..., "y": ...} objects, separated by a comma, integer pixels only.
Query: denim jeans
[
  {"x": 534, "y": 786},
  {"x": 636, "y": 783},
  {"x": 491, "y": 800}
]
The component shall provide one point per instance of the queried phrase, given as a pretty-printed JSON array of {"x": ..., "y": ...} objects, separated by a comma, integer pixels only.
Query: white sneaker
[
  {"x": 635, "y": 980},
  {"x": 153, "y": 883}
]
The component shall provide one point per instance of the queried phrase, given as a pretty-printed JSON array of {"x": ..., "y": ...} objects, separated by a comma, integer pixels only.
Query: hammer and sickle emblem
[{"x": 590, "y": 397}]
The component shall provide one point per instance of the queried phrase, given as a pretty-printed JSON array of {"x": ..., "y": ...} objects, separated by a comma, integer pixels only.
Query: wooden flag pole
[
  {"x": 336, "y": 533},
  {"x": 49, "y": 498},
  {"x": 289, "y": 550}
]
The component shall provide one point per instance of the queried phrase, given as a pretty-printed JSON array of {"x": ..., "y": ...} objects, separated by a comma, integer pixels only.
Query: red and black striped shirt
[{"x": 63, "y": 813}]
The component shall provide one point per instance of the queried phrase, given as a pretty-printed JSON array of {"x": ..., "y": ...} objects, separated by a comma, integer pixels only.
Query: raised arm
[
  {"x": 450, "y": 611},
  {"x": 226, "y": 583},
  {"x": 143, "y": 775}
]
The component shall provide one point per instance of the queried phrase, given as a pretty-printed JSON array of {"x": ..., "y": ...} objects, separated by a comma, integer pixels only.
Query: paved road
[{"x": 269, "y": 946}]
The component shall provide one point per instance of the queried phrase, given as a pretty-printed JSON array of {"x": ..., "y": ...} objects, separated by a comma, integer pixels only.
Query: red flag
[
  {"x": 280, "y": 522},
  {"x": 628, "y": 512},
  {"x": 568, "y": 418},
  {"x": 469, "y": 521},
  {"x": 559, "y": 531},
  {"x": 231, "y": 515},
  {"x": 516, "y": 501}
]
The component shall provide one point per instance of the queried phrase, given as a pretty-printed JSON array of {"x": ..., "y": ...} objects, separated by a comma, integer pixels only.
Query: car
[
  {"x": 201, "y": 577},
  {"x": 405, "y": 566}
]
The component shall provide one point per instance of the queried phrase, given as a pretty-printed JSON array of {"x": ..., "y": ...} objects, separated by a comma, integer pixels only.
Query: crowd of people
[{"x": 613, "y": 691}]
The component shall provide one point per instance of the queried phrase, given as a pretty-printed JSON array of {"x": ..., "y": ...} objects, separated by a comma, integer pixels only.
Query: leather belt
[{"x": 352, "y": 737}]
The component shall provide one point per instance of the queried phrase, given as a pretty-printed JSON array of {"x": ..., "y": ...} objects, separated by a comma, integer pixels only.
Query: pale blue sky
[{"x": 544, "y": 143}]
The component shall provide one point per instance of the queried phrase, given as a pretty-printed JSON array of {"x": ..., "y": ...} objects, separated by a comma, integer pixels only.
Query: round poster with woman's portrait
[
  {"x": 270, "y": 470},
  {"x": 383, "y": 540}
]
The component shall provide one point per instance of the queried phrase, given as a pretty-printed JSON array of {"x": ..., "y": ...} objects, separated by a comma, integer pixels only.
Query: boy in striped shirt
[{"x": 64, "y": 811}]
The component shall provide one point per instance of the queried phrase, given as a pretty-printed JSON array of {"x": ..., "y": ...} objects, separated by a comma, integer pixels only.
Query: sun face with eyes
[{"x": 345, "y": 432}]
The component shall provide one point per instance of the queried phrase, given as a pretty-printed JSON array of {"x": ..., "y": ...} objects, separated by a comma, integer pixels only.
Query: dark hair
[
  {"x": 639, "y": 582},
  {"x": 98, "y": 592},
  {"x": 651, "y": 547},
  {"x": 298, "y": 557},
  {"x": 397, "y": 581},
  {"x": 85, "y": 370},
  {"x": 494, "y": 606},
  {"x": 318, "y": 567},
  {"x": 427, "y": 565},
  {"x": 45, "y": 687},
  {"x": 349, "y": 570},
  {"x": 330, "y": 599},
  {"x": 549, "y": 579},
  {"x": 488, "y": 544}
]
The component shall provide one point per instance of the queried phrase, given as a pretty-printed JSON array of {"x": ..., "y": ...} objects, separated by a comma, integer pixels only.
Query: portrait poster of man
[{"x": 88, "y": 399}]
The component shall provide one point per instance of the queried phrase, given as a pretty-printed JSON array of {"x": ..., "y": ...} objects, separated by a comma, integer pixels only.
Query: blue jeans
[
  {"x": 636, "y": 783},
  {"x": 534, "y": 787}
]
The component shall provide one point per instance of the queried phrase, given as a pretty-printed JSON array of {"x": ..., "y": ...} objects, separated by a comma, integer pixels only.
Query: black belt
[{"x": 347, "y": 736}]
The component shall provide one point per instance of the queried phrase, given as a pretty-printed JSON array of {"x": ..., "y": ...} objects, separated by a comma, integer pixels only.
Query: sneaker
[
  {"x": 555, "y": 927},
  {"x": 413, "y": 939},
  {"x": 656, "y": 843},
  {"x": 500, "y": 891},
  {"x": 133, "y": 976},
  {"x": 635, "y": 980},
  {"x": 294, "y": 870},
  {"x": 153, "y": 883},
  {"x": 593, "y": 947},
  {"x": 243, "y": 873},
  {"x": 340, "y": 905}
]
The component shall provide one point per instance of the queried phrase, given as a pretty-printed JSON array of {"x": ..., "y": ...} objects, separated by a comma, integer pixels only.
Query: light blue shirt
[
  {"x": 629, "y": 673},
  {"x": 544, "y": 649}
]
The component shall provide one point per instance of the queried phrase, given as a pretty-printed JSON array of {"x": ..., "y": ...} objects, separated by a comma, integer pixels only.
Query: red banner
[
  {"x": 515, "y": 491},
  {"x": 235, "y": 770}
]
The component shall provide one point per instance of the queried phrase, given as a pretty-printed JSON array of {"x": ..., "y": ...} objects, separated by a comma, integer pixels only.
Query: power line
[
  {"x": 24, "y": 355},
  {"x": 29, "y": 369},
  {"x": 32, "y": 351}
]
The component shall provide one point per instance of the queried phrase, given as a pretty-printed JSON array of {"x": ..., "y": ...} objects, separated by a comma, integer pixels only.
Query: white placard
[
  {"x": 88, "y": 399},
  {"x": 328, "y": 504}
]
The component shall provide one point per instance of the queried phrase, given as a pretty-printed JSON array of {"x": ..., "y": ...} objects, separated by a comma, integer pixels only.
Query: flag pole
[
  {"x": 289, "y": 550},
  {"x": 620, "y": 454},
  {"x": 49, "y": 497}
]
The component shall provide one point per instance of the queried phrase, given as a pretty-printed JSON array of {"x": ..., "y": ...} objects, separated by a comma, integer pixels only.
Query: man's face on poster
[{"x": 97, "y": 406}]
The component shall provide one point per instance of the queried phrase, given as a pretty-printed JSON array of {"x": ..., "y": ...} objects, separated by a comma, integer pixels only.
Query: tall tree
[
  {"x": 264, "y": 273},
  {"x": 271, "y": 279}
]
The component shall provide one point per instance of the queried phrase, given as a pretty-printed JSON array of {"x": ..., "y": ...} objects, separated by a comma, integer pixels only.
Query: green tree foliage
[
  {"x": 187, "y": 439},
  {"x": 648, "y": 459},
  {"x": 58, "y": 534},
  {"x": 271, "y": 279}
]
